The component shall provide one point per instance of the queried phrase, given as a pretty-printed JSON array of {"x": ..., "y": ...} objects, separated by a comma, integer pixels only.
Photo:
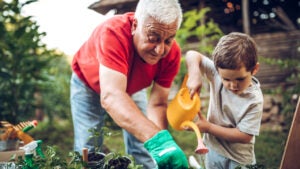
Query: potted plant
[{"x": 98, "y": 159}]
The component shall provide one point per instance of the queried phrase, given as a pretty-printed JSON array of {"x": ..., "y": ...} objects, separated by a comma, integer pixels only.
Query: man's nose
[{"x": 160, "y": 48}]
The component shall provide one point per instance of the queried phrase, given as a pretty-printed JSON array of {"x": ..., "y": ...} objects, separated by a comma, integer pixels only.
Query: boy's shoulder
[{"x": 254, "y": 91}]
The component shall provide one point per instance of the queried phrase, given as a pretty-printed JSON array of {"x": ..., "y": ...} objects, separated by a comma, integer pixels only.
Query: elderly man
[{"x": 111, "y": 71}]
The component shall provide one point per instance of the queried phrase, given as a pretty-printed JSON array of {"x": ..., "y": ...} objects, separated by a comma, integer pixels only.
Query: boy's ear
[{"x": 256, "y": 68}]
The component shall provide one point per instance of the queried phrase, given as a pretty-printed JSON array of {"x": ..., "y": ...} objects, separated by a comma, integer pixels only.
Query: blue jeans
[
  {"x": 214, "y": 160},
  {"x": 88, "y": 113}
]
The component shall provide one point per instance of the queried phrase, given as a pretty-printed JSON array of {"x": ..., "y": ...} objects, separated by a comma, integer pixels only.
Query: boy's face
[{"x": 236, "y": 80}]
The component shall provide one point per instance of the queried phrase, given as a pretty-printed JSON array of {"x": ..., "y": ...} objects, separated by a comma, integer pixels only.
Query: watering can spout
[{"x": 201, "y": 149}]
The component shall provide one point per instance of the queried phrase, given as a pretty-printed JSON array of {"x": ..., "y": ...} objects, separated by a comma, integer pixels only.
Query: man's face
[
  {"x": 153, "y": 40},
  {"x": 236, "y": 80}
]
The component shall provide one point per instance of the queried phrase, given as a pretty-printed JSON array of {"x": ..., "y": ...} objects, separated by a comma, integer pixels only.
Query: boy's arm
[
  {"x": 193, "y": 62},
  {"x": 230, "y": 134}
]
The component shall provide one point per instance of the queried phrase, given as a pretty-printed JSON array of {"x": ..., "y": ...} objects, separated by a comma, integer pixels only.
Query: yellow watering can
[{"x": 182, "y": 110}]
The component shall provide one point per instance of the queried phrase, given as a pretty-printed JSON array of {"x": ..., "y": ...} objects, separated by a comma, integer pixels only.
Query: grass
[
  {"x": 188, "y": 144},
  {"x": 115, "y": 142},
  {"x": 269, "y": 148}
]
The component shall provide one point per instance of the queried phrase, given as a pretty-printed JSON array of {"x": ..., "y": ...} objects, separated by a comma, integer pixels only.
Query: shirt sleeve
[
  {"x": 250, "y": 124},
  {"x": 208, "y": 69},
  {"x": 112, "y": 52}
]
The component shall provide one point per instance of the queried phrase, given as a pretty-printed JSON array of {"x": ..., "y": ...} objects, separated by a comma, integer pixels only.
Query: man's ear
[
  {"x": 255, "y": 69},
  {"x": 134, "y": 26}
]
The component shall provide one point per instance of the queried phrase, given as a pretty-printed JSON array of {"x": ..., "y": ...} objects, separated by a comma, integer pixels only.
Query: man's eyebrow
[
  {"x": 153, "y": 32},
  {"x": 172, "y": 36}
]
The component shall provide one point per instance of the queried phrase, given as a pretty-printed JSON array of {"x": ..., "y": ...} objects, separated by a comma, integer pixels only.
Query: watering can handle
[{"x": 183, "y": 84}]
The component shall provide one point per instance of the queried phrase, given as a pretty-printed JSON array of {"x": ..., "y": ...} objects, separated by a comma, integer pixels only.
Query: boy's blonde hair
[{"x": 234, "y": 51}]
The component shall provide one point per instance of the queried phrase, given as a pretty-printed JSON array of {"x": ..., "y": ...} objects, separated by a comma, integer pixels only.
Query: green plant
[
  {"x": 112, "y": 159},
  {"x": 116, "y": 160},
  {"x": 61, "y": 134},
  {"x": 291, "y": 91},
  {"x": 197, "y": 28},
  {"x": 269, "y": 147},
  {"x": 26, "y": 67},
  {"x": 254, "y": 166},
  {"x": 104, "y": 132},
  {"x": 53, "y": 159},
  {"x": 22, "y": 57},
  {"x": 55, "y": 94}
]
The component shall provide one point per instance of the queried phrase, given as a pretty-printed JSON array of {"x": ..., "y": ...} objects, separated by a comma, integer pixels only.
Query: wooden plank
[
  {"x": 278, "y": 35},
  {"x": 281, "y": 45},
  {"x": 290, "y": 159}
]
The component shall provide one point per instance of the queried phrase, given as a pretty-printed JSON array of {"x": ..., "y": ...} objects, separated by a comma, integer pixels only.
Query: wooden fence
[{"x": 283, "y": 45}]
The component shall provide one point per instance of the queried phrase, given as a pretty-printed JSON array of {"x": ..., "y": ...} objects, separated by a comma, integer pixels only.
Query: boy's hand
[
  {"x": 166, "y": 152},
  {"x": 202, "y": 123},
  {"x": 194, "y": 85}
]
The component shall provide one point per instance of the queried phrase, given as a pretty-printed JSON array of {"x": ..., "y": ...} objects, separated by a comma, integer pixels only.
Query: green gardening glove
[{"x": 165, "y": 151}]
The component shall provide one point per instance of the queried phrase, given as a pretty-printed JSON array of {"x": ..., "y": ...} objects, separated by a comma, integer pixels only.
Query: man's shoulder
[{"x": 120, "y": 19}]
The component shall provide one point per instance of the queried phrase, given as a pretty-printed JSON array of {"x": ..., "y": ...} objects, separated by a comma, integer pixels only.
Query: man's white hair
[{"x": 163, "y": 11}]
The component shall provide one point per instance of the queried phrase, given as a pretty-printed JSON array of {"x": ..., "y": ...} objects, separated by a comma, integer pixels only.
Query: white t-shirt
[{"x": 227, "y": 109}]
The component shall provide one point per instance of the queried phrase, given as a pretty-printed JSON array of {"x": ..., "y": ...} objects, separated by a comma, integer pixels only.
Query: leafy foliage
[
  {"x": 254, "y": 166},
  {"x": 27, "y": 67},
  {"x": 291, "y": 91},
  {"x": 269, "y": 148},
  {"x": 55, "y": 96},
  {"x": 196, "y": 28},
  {"x": 56, "y": 157},
  {"x": 112, "y": 159},
  {"x": 98, "y": 134}
]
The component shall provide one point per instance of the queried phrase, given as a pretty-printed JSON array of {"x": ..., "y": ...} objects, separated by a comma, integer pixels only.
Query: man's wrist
[
  {"x": 147, "y": 133},
  {"x": 159, "y": 138}
]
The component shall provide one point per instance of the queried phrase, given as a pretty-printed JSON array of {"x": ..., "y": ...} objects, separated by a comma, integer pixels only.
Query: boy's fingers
[
  {"x": 188, "y": 128},
  {"x": 200, "y": 115},
  {"x": 192, "y": 93}
]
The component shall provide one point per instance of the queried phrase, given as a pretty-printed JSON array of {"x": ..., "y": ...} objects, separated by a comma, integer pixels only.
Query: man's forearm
[{"x": 127, "y": 115}]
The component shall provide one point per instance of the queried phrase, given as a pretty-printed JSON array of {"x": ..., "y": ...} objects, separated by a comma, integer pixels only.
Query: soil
[
  {"x": 95, "y": 156},
  {"x": 121, "y": 163},
  {"x": 97, "y": 161}
]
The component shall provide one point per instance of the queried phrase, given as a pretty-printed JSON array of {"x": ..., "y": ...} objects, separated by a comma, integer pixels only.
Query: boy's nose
[{"x": 233, "y": 85}]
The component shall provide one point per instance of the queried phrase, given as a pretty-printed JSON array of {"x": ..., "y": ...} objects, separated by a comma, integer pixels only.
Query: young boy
[{"x": 236, "y": 100}]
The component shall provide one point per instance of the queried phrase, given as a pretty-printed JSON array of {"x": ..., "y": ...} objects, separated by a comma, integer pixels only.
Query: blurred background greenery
[{"x": 35, "y": 85}]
